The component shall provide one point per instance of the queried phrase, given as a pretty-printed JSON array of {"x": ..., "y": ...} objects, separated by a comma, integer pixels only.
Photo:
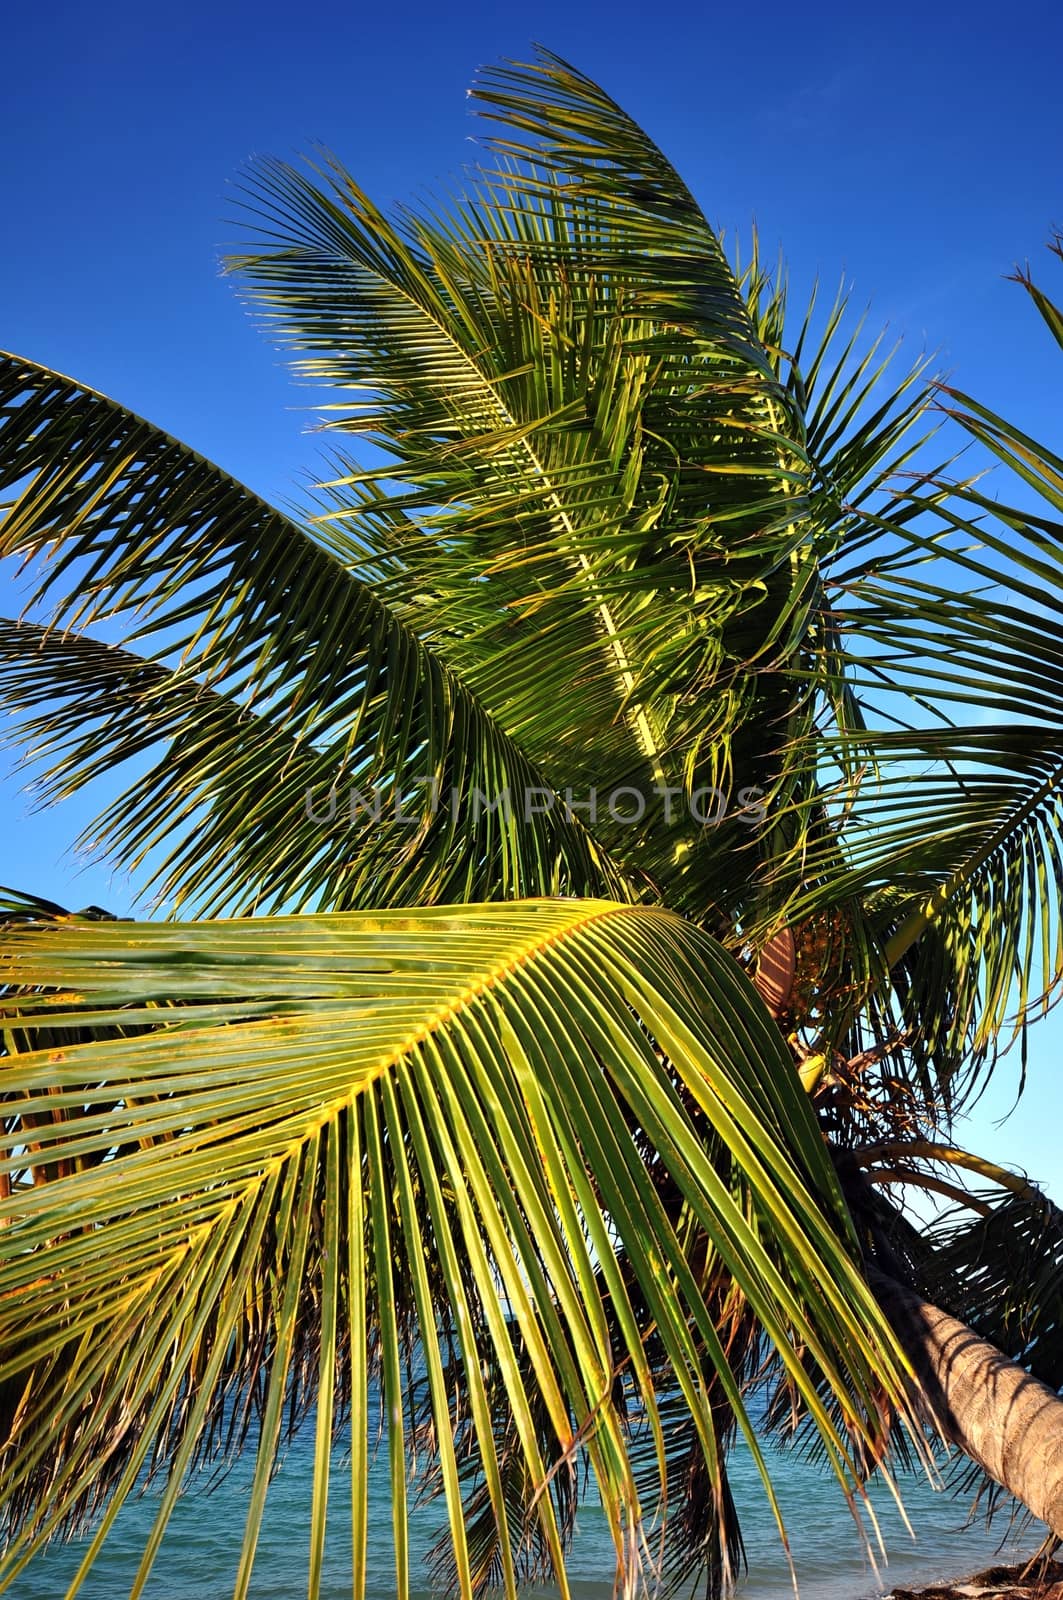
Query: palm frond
[
  {"x": 335, "y": 1149},
  {"x": 609, "y": 484},
  {"x": 941, "y": 771},
  {"x": 274, "y": 660},
  {"x": 1028, "y": 459},
  {"x": 600, "y": 497}
]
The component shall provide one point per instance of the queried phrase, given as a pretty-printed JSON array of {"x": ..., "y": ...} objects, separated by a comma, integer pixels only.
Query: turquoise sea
[{"x": 199, "y": 1555}]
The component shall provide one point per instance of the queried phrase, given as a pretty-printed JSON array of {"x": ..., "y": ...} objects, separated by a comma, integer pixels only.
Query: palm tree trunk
[{"x": 991, "y": 1408}]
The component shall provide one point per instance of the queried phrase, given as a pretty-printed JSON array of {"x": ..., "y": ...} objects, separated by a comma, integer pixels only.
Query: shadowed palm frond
[
  {"x": 941, "y": 771},
  {"x": 599, "y": 490},
  {"x": 274, "y": 661},
  {"x": 603, "y": 505}
]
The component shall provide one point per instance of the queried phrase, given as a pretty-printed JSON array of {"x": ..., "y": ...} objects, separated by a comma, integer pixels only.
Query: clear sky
[{"x": 918, "y": 148}]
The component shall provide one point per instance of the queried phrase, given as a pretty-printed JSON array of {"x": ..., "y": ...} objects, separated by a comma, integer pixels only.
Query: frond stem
[
  {"x": 916, "y": 924},
  {"x": 922, "y": 1180},
  {"x": 926, "y": 1151}
]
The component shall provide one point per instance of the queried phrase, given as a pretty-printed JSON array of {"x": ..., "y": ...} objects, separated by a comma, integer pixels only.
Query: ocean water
[{"x": 199, "y": 1555}]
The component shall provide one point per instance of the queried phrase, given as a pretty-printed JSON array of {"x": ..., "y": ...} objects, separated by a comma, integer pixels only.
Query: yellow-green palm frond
[{"x": 305, "y": 1156}]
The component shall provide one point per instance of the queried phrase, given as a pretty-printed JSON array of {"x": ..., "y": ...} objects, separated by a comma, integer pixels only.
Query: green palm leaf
[
  {"x": 945, "y": 608},
  {"x": 273, "y": 659},
  {"x": 598, "y": 499},
  {"x": 323, "y": 1138}
]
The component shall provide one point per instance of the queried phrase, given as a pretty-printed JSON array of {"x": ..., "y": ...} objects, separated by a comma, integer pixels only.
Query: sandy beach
[{"x": 1029, "y": 1581}]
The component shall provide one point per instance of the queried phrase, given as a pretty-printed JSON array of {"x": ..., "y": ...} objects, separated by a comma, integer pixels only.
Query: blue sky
[{"x": 918, "y": 149}]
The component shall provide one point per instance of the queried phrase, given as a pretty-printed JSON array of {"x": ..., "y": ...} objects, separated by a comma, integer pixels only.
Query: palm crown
[{"x": 642, "y": 655}]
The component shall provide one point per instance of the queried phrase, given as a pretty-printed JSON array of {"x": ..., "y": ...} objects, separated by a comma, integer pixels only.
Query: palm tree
[{"x": 608, "y": 860}]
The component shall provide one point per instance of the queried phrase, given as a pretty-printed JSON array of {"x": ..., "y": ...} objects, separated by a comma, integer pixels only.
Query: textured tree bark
[{"x": 983, "y": 1402}]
